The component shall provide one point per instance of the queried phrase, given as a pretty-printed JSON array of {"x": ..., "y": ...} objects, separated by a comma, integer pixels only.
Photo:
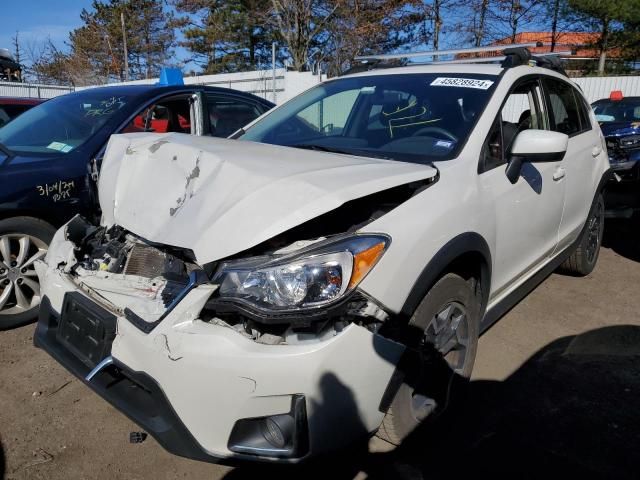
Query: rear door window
[
  {"x": 229, "y": 113},
  {"x": 563, "y": 105}
]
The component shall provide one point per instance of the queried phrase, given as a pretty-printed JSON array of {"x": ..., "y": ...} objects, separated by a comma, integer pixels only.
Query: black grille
[{"x": 86, "y": 329}]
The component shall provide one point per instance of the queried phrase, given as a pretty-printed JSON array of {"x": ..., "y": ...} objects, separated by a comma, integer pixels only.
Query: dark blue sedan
[
  {"x": 50, "y": 157},
  {"x": 619, "y": 119}
]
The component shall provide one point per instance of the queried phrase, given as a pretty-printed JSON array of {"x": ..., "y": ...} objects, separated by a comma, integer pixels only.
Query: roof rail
[
  {"x": 440, "y": 53},
  {"x": 513, "y": 55},
  {"x": 495, "y": 59}
]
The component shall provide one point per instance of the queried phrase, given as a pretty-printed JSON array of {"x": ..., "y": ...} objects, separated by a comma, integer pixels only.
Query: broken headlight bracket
[
  {"x": 197, "y": 277},
  {"x": 297, "y": 319}
]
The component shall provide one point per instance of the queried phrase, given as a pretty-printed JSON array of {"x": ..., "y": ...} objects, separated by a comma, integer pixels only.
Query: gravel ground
[{"x": 554, "y": 392}]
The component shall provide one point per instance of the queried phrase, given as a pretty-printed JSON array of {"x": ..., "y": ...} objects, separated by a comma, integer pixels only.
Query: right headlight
[{"x": 313, "y": 278}]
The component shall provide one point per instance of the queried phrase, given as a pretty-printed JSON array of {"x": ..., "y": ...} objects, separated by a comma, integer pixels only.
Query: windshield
[
  {"x": 625, "y": 110},
  {"x": 408, "y": 117},
  {"x": 61, "y": 124}
]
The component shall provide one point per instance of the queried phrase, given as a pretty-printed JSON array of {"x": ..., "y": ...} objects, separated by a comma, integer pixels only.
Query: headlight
[{"x": 313, "y": 278}]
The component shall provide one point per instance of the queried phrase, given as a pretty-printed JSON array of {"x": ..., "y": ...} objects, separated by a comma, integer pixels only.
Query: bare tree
[
  {"x": 299, "y": 23},
  {"x": 17, "y": 48},
  {"x": 505, "y": 18},
  {"x": 480, "y": 24}
]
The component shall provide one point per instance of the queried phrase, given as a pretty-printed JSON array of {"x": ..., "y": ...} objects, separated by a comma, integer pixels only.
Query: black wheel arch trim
[{"x": 463, "y": 244}]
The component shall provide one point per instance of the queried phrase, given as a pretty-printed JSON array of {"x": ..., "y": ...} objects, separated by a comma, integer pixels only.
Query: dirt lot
[{"x": 554, "y": 392}]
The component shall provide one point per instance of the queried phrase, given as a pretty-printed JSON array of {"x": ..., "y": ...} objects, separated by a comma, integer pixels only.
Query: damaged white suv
[{"x": 282, "y": 295}]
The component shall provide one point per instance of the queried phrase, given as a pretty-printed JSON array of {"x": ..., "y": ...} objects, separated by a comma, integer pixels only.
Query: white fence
[
  {"x": 259, "y": 82},
  {"x": 596, "y": 88},
  {"x": 289, "y": 84},
  {"x": 32, "y": 90}
]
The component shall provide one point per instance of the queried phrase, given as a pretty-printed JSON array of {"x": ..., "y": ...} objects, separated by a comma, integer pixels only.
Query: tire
[
  {"x": 429, "y": 378},
  {"x": 583, "y": 260},
  {"x": 23, "y": 240}
]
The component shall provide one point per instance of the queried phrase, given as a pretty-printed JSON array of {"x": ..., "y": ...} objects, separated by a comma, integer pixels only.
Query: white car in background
[{"x": 281, "y": 295}]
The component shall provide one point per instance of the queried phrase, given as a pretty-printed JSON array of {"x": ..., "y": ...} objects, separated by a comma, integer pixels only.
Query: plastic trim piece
[
  {"x": 465, "y": 243},
  {"x": 103, "y": 364},
  {"x": 135, "y": 394},
  {"x": 195, "y": 278}
]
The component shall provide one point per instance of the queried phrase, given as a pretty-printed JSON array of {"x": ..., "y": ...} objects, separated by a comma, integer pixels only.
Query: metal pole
[
  {"x": 124, "y": 43},
  {"x": 273, "y": 65}
]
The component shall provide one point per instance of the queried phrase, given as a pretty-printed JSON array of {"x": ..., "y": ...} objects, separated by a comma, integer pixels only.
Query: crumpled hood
[{"x": 219, "y": 197}]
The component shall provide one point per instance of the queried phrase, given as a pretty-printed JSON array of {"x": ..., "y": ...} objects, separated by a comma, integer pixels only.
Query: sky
[{"x": 36, "y": 20}]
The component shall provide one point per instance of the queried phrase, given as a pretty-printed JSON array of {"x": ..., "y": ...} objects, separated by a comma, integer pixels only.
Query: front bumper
[
  {"x": 189, "y": 382},
  {"x": 626, "y": 164},
  {"x": 135, "y": 394}
]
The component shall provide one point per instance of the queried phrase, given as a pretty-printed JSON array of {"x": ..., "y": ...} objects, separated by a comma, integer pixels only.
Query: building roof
[{"x": 580, "y": 44}]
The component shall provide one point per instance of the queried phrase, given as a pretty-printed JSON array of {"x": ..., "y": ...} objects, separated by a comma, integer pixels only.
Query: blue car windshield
[
  {"x": 625, "y": 110},
  {"x": 415, "y": 117},
  {"x": 61, "y": 124}
]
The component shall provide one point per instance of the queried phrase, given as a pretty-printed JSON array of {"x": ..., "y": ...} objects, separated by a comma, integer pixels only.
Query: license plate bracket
[{"x": 86, "y": 329}]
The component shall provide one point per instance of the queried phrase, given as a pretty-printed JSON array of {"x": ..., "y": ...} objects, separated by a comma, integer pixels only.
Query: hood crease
[{"x": 219, "y": 197}]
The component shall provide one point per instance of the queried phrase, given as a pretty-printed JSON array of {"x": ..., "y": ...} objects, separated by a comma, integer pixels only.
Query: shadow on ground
[
  {"x": 571, "y": 410},
  {"x": 623, "y": 237}
]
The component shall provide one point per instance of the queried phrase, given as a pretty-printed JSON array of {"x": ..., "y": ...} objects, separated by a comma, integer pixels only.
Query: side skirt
[{"x": 511, "y": 300}]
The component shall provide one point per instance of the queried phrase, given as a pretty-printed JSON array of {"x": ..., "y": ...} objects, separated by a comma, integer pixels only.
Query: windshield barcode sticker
[{"x": 462, "y": 82}]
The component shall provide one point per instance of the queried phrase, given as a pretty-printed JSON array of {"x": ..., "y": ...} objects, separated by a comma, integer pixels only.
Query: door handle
[
  {"x": 597, "y": 150},
  {"x": 559, "y": 174}
]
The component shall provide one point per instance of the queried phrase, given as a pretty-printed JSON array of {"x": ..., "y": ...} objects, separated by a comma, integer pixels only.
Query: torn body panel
[
  {"x": 119, "y": 271},
  {"x": 174, "y": 211},
  {"x": 143, "y": 282},
  {"x": 241, "y": 375},
  {"x": 200, "y": 193}
]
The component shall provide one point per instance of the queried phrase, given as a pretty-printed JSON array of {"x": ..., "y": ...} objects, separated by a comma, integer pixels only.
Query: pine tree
[{"x": 609, "y": 18}]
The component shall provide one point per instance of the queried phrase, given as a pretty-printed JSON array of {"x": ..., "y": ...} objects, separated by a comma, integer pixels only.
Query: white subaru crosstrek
[{"x": 283, "y": 294}]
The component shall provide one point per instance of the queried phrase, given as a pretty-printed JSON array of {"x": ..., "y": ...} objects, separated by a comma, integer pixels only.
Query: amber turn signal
[{"x": 364, "y": 261}]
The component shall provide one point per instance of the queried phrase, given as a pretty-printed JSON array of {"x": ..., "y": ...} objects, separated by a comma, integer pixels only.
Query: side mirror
[{"x": 535, "y": 146}]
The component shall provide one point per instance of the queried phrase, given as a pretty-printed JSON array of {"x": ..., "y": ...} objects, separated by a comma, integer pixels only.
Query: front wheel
[
  {"x": 23, "y": 240},
  {"x": 446, "y": 322},
  {"x": 583, "y": 260}
]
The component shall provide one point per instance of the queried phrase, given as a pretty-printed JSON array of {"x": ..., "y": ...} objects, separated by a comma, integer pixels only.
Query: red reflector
[{"x": 616, "y": 95}]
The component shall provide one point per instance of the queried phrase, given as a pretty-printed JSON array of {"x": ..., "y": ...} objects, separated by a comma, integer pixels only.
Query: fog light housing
[{"x": 279, "y": 436}]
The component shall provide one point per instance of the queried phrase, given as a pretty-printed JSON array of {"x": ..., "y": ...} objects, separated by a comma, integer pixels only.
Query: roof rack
[
  {"x": 441, "y": 53},
  {"x": 497, "y": 59},
  {"x": 513, "y": 55}
]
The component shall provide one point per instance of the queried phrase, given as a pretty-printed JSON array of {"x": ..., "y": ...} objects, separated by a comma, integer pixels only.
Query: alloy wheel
[
  {"x": 19, "y": 287},
  {"x": 448, "y": 333},
  {"x": 594, "y": 233}
]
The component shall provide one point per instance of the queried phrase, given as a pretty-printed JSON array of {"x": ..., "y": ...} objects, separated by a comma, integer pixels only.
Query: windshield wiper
[
  {"x": 321, "y": 148},
  {"x": 236, "y": 134},
  {"x": 358, "y": 152}
]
